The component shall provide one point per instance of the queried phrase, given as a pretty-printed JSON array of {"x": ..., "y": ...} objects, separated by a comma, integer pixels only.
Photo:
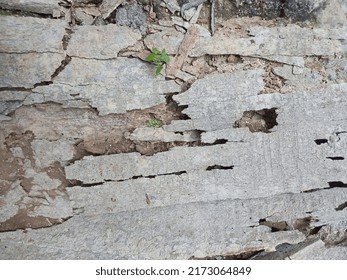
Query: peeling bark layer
[{"x": 236, "y": 151}]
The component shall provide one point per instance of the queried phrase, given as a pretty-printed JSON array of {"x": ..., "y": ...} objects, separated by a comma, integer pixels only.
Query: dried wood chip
[{"x": 187, "y": 44}]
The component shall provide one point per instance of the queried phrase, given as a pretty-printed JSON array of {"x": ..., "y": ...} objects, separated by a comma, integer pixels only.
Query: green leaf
[
  {"x": 159, "y": 68},
  {"x": 155, "y": 51},
  {"x": 164, "y": 57},
  {"x": 150, "y": 57},
  {"x": 153, "y": 122},
  {"x": 156, "y": 60},
  {"x": 167, "y": 59}
]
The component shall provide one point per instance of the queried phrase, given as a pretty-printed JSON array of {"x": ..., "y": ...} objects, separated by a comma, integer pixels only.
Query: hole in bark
[
  {"x": 341, "y": 206},
  {"x": 275, "y": 226},
  {"x": 173, "y": 106},
  {"x": 315, "y": 230},
  {"x": 321, "y": 141},
  {"x": 336, "y": 158},
  {"x": 220, "y": 141},
  {"x": 182, "y": 115},
  {"x": 258, "y": 120},
  {"x": 337, "y": 184},
  {"x": 219, "y": 167}
]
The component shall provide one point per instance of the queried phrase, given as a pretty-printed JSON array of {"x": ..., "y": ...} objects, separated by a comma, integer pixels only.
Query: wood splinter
[{"x": 187, "y": 44}]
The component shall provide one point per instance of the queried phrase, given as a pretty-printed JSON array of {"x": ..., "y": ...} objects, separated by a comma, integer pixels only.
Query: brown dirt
[
  {"x": 12, "y": 172},
  {"x": 258, "y": 120},
  {"x": 317, "y": 64},
  {"x": 22, "y": 221},
  {"x": 98, "y": 135},
  {"x": 273, "y": 83}
]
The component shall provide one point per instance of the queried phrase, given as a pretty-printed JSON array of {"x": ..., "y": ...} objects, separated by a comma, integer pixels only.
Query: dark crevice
[
  {"x": 216, "y": 142},
  {"x": 321, "y": 141},
  {"x": 140, "y": 176},
  {"x": 341, "y": 206},
  {"x": 183, "y": 116},
  {"x": 171, "y": 173},
  {"x": 173, "y": 106},
  {"x": 66, "y": 38},
  {"x": 14, "y": 12},
  {"x": 81, "y": 184},
  {"x": 89, "y": 185},
  {"x": 62, "y": 66},
  {"x": 332, "y": 184},
  {"x": 315, "y": 230},
  {"x": 65, "y": 3},
  {"x": 313, "y": 190},
  {"x": 220, "y": 141},
  {"x": 275, "y": 226},
  {"x": 15, "y": 89},
  {"x": 337, "y": 184},
  {"x": 336, "y": 158},
  {"x": 219, "y": 167},
  {"x": 44, "y": 83},
  {"x": 153, "y": 176},
  {"x": 258, "y": 120},
  {"x": 282, "y": 13}
]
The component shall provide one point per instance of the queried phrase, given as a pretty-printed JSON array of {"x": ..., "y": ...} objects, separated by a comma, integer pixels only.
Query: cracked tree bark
[{"x": 237, "y": 170}]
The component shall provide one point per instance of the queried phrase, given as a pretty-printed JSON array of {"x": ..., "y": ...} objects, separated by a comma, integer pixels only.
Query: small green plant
[
  {"x": 153, "y": 122},
  {"x": 159, "y": 58}
]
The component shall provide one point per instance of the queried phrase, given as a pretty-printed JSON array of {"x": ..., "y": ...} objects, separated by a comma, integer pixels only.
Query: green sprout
[
  {"x": 159, "y": 58},
  {"x": 153, "y": 122}
]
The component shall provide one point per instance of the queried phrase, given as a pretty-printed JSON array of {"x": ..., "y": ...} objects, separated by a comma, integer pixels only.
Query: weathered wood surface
[{"x": 250, "y": 156}]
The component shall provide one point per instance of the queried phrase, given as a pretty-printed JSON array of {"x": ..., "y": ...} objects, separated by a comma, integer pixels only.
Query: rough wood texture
[
  {"x": 242, "y": 154},
  {"x": 185, "y": 48}
]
